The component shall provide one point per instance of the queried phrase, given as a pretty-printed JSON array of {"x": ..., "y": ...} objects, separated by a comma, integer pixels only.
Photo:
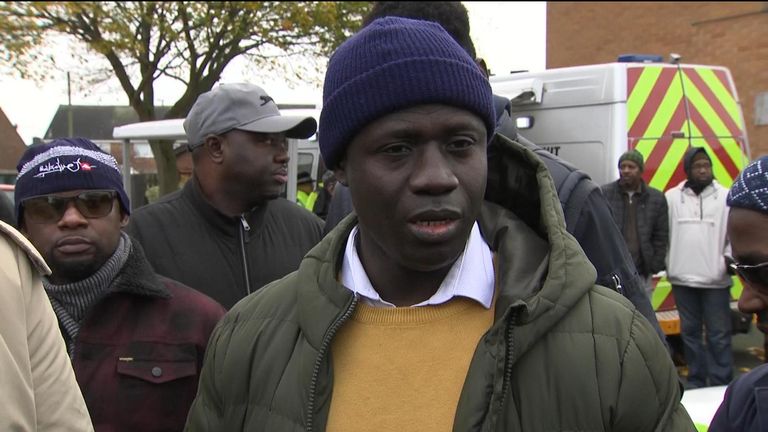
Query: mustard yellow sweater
[{"x": 402, "y": 369}]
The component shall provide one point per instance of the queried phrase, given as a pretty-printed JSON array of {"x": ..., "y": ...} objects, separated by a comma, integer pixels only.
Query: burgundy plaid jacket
[{"x": 140, "y": 350}]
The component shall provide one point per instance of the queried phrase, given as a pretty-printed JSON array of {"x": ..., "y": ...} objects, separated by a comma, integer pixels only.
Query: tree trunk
[{"x": 165, "y": 160}]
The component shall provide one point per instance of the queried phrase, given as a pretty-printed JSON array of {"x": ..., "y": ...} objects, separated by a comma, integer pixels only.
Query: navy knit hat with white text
[
  {"x": 67, "y": 164},
  {"x": 392, "y": 64}
]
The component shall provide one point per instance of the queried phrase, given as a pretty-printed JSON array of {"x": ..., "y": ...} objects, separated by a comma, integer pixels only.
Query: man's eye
[
  {"x": 396, "y": 149},
  {"x": 460, "y": 144}
]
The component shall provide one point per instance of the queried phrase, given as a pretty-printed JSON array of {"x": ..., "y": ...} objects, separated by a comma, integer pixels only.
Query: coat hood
[{"x": 688, "y": 158}]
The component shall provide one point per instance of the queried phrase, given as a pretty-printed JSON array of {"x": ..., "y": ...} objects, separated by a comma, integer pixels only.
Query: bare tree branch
[{"x": 188, "y": 42}]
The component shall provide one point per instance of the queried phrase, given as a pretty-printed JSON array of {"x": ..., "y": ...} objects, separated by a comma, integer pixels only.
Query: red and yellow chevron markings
[{"x": 661, "y": 127}]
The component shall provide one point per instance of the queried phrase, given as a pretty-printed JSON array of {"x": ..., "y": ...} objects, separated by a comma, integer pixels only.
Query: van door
[
  {"x": 671, "y": 108},
  {"x": 573, "y": 113}
]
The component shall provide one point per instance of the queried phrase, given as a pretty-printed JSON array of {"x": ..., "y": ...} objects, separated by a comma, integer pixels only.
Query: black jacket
[
  {"x": 188, "y": 240},
  {"x": 652, "y": 223}
]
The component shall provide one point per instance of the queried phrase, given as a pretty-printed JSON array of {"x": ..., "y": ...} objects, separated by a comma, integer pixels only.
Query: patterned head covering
[{"x": 750, "y": 190}]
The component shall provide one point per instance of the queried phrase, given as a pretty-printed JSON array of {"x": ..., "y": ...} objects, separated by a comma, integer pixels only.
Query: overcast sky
[{"x": 31, "y": 105}]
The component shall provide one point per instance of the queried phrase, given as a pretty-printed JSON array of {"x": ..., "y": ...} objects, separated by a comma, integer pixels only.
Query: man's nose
[
  {"x": 72, "y": 216},
  {"x": 281, "y": 154},
  {"x": 432, "y": 173}
]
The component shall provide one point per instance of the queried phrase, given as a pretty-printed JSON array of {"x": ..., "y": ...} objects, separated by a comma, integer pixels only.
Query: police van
[
  {"x": 304, "y": 154},
  {"x": 590, "y": 115}
]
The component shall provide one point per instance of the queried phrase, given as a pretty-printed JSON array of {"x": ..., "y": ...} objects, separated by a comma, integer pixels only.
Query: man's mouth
[
  {"x": 281, "y": 176},
  {"x": 73, "y": 245},
  {"x": 434, "y": 229},
  {"x": 434, "y": 225}
]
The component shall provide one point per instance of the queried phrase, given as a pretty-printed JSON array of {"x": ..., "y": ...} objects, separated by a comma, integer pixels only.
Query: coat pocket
[
  {"x": 157, "y": 363},
  {"x": 156, "y": 371}
]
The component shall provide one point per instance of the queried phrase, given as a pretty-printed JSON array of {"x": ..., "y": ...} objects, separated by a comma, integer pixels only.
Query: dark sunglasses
[
  {"x": 754, "y": 274},
  {"x": 50, "y": 208}
]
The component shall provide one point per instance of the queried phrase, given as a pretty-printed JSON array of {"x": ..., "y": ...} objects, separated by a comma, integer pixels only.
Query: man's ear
[
  {"x": 124, "y": 219},
  {"x": 213, "y": 146},
  {"x": 341, "y": 173}
]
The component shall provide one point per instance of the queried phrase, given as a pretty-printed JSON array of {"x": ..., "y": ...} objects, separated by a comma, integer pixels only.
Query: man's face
[
  {"x": 305, "y": 187},
  {"x": 701, "y": 169},
  {"x": 417, "y": 179},
  {"x": 748, "y": 233},
  {"x": 629, "y": 174},
  {"x": 255, "y": 164},
  {"x": 73, "y": 245}
]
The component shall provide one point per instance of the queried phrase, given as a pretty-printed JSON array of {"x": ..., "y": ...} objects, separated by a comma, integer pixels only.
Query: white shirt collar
[{"x": 470, "y": 276}]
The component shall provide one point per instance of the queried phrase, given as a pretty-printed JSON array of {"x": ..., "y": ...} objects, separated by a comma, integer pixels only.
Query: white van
[{"x": 590, "y": 115}]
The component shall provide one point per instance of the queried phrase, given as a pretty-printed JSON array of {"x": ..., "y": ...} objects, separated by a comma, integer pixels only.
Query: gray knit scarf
[{"x": 71, "y": 301}]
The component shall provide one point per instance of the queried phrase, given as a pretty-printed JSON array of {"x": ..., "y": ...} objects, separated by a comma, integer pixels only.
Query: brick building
[
  {"x": 734, "y": 35},
  {"x": 11, "y": 149}
]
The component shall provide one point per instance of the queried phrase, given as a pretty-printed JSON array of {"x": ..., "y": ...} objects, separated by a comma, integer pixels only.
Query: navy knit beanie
[
  {"x": 392, "y": 64},
  {"x": 750, "y": 189},
  {"x": 66, "y": 164}
]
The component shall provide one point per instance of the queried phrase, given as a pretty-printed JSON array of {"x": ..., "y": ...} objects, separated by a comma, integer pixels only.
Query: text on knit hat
[{"x": 66, "y": 164}]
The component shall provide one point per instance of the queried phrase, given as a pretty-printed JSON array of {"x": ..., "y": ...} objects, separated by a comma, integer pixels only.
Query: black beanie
[{"x": 690, "y": 155}]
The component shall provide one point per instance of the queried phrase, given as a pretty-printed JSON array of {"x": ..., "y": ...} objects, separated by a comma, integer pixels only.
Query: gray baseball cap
[{"x": 241, "y": 106}]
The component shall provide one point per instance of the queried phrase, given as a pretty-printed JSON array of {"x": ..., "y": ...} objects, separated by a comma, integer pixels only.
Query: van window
[{"x": 305, "y": 162}]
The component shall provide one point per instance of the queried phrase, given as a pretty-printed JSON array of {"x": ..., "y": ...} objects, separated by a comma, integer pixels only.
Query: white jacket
[
  {"x": 38, "y": 391},
  {"x": 697, "y": 237}
]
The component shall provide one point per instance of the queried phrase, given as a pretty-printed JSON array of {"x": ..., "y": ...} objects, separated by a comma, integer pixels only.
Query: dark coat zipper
[
  {"x": 243, "y": 240},
  {"x": 320, "y": 357},
  {"x": 510, "y": 339}
]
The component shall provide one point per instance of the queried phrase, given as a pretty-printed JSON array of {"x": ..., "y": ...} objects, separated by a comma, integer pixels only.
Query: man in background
[
  {"x": 641, "y": 214},
  {"x": 305, "y": 191},
  {"x": 696, "y": 268},
  {"x": 325, "y": 194},
  {"x": 227, "y": 232},
  {"x": 136, "y": 340}
]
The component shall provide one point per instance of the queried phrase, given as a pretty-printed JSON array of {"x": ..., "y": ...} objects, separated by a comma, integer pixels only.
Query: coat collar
[
  {"x": 643, "y": 188},
  {"x": 224, "y": 224},
  {"x": 137, "y": 277}
]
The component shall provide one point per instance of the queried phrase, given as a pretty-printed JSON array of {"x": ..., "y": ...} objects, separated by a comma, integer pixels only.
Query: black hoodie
[{"x": 693, "y": 184}]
